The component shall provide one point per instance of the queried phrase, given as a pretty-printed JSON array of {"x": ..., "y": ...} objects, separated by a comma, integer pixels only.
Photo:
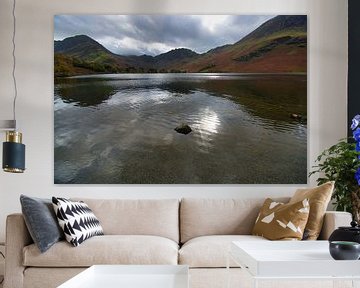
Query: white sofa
[{"x": 194, "y": 232}]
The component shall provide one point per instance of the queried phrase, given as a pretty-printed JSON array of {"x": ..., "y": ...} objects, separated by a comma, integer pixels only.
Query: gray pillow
[{"x": 41, "y": 221}]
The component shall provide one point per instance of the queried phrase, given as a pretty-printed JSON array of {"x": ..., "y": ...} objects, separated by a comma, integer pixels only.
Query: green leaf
[{"x": 339, "y": 163}]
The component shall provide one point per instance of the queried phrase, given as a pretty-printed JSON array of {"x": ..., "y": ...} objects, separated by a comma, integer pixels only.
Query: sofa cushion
[
  {"x": 201, "y": 217},
  {"x": 158, "y": 217},
  {"x": 211, "y": 251},
  {"x": 35, "y": 277},
  {"x": 107, "y": 249}
]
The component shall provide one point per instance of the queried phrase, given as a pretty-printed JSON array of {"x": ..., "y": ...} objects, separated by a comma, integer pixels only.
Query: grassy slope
[
  {"x": 98, "y": 62},
  {"x": 281, "y": 58}
]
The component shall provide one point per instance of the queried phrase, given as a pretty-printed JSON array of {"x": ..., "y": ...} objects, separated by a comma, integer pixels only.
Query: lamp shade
[{"x": 13, "y": 153}]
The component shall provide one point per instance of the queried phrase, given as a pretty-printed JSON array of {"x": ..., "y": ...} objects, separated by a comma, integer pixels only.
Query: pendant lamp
[{"x": 13, "y": 149}]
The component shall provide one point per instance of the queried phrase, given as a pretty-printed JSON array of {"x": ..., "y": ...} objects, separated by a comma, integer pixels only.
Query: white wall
[{"x": 327, "y": 89}]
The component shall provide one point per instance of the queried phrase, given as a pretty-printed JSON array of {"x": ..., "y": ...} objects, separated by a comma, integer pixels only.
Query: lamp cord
[{"x": 14, "y": 60}]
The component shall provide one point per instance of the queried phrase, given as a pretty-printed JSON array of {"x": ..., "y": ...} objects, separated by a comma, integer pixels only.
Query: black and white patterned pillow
[{"x": 77, "y": 220}]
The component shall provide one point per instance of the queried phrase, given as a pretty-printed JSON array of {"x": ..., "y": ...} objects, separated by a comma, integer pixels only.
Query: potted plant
[{"x": 341, "y": 163}]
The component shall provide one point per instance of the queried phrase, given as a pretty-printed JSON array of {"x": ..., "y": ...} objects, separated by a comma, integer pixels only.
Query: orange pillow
[
  {"x": 319, "y": 198},
  {"x": 279, "y": 221}
]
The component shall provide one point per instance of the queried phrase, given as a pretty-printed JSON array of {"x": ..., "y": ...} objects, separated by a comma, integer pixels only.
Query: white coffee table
[
  {"x": 131, "y": 276},
  {"x": 292, "y": 260}
]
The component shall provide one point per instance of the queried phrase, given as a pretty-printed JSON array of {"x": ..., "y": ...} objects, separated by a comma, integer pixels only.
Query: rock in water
[
  {"x": 183, "y": 129},
  {"x": 296, "y": 116},
  {"x": 299, "y": 117}
]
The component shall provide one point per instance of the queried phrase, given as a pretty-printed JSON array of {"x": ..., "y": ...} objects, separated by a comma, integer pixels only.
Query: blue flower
[
  {"x": 356, "y": 134},
  {"x": 355, "y": 126},
  {"x": 355, "y": 122},
  {"x": 357, "y": 176}
]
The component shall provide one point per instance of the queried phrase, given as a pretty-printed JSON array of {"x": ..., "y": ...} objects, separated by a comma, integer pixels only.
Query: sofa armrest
[
  {"x": 333, "y": 220},
  {"x": 17, "y": 237}
]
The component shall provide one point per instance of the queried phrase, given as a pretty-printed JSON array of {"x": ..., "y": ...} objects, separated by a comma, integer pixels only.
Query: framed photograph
[{"x": 180, "y": 99}]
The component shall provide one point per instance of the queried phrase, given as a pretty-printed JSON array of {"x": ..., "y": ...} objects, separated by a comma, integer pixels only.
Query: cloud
[{"x": 155, "y": 34}]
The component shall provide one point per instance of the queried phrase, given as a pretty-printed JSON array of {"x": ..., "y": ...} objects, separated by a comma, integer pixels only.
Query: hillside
[
  {"x": 277, "y": 46},
  {"x": 83, "y": 55},
  {"x": 174, "y": 58},
  {"x": 79, "y": 46}
]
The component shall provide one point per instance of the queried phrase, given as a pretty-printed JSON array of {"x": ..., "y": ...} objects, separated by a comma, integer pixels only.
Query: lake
[{"x": 119, "y": 129}]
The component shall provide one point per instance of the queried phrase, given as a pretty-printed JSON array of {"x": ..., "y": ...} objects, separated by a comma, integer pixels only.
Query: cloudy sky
[{"x": 155, "y": 34}]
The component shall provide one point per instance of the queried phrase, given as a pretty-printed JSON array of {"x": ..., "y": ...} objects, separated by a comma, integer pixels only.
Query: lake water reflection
[{"x": 120, "y": 129}]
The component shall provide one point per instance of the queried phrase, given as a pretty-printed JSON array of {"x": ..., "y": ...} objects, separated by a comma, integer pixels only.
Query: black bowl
[{"x": 344, "y": 250}]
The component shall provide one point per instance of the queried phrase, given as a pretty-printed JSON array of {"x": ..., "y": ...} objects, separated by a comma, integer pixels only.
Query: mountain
[
  {"x": 277, "y": 46},
  {"x": 165, "y": 62},
  {"x": 278, "y": 24},
  {"x": 79, "y": 46},
  {"x": 174, "y": 57},
  {"x": 83, "y": 55}
]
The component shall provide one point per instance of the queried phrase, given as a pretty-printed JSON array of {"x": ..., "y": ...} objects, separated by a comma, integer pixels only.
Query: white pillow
[{"x": 76, "y": 220}]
